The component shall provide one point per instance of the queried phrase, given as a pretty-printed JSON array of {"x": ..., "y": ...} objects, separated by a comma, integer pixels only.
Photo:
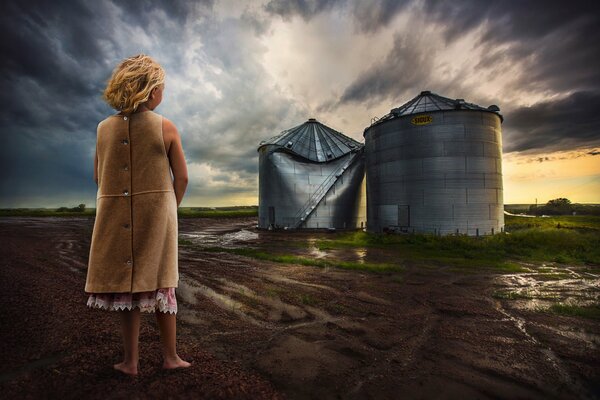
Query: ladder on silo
[{"x": 321, "y": 191}]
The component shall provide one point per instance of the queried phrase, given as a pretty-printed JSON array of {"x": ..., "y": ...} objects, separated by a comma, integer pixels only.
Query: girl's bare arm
[
  {"x": 176, "y": 159},
  {"x": 96, "y": 166}
]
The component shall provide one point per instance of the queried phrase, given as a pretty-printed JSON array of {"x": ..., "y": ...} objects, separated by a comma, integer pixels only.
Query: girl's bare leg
[
  {"x": 130, "y": 326},
  {"x": 167, "y": 325}
]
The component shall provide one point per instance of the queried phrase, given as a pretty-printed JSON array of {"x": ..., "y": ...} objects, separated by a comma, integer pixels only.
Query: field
[
  {"x": 183, "y": 212},
  {"x": 300, "y": 315}
]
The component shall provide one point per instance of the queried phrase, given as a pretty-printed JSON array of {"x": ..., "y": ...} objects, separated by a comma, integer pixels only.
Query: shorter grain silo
[
  {"x": 311, "y": 176},
  {"x": 434, "y": 165}
]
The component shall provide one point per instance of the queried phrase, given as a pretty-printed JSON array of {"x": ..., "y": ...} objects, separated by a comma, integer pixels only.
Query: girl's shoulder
[
  {"x": 168, "y": 126},
  {"x": 110, "y": 118}
]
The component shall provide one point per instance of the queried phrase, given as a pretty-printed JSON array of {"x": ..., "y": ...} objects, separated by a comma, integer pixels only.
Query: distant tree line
[
  {"x": 562, "y": 206},
  {"x": 79, "y": 208}
]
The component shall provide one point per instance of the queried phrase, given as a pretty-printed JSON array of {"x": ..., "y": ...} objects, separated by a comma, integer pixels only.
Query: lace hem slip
[{"x": 162, "y": 300}]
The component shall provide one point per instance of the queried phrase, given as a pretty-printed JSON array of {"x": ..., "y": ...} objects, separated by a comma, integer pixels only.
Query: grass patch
[
  {"x": 510, "y": 267},
  {"x": 45, "y": 212},
  {"x": 500, "y": 251},
  {"x": 591, "y": 312},
  {"x": 217, "y": 212},
  {"x": 554, "y": 276},
  {"x": 292, "y": 259},
  {"x": 578, "y": 222},
  {"x": 511, "y": 295},
  {"x": 273, "y": 291},
  {"x": 252, "y": 301},
  {"x": 544, "y": 269},
  {"x": 339, "y": 308},
  {"x": 182, "y": 212},
  {"x": 306, "y": 298}
]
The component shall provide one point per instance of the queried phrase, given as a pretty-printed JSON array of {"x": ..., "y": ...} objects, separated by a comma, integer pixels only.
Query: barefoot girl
[{"x": 133, "y": 264}]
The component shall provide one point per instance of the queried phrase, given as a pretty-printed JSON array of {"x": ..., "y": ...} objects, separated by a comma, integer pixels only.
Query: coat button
[
  {"x": 125, "y": 192},
  {"x": 126, "y": 168},
  {"x": 125, "y": 118},
  {"x": 125, "y": 225},
  {"x": 124, "y": 141},
  {"x": 129, "y": 262}
]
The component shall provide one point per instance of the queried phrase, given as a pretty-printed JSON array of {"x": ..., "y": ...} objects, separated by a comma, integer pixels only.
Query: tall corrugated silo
[
  {"x": 311, "y": 176},
  {"x": 434, "y": 165}
]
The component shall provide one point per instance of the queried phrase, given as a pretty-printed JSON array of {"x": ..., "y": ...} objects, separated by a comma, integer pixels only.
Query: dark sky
[{"x": 239, "y": 72}]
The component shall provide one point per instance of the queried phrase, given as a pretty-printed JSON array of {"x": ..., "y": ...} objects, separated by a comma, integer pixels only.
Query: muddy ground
[{"x": 262, "y": 330}]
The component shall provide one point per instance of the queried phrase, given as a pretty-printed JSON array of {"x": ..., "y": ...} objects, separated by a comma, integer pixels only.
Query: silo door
[
  {"x": 388, "y": 215},
  {"x": 403, "y": 215},
  {"x": 271, "y": 215}
]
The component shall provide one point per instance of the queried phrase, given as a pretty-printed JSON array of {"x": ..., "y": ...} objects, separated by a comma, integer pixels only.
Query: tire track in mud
[
  {"x": 452, "y": 352},
  {"x": 561, "y": 373},
  {"x": 328, "y": 333},
  {"x": 55, "y": 347},
  {"x": 425, "y": 351}
]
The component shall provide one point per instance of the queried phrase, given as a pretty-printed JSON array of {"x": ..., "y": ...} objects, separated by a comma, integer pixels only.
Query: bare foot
[
  {"x": 129, "y": 369},
  {"x": 175, "y": 363}
]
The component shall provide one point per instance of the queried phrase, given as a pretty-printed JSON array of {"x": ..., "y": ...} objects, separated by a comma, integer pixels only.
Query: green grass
[
  {"x": 553, "y": 276},
  {"x": 500, "y": 251},
  {"x": 306, "y": 298},
  {"x": 45, "y": 212},
  {"x": 511, "y": 295},
  {"x": 578, "y": 222},
  {"x": 339, "y": 308},
  {"x": 218, "y": 212},
  {"x": 510, "y": 267},
  {"x": 182, "y": 212},
  {"x": 292, "y": 259},
  {"x": 591, "y": 312},
  {"x": 273, "y": 291}
]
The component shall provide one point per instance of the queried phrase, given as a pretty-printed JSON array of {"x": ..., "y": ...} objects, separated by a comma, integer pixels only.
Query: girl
[{"x": 133, "y": 264}]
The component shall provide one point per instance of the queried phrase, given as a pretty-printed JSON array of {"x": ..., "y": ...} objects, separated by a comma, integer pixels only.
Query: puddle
[
  {"x": 189, "y": 290},
  {"x": 550, "y": 284},
  {"x": 260, "y": 310},
  {"x": 550, "y": 355},
  {"x": 240, "y": 236},
  {"x": 298, "y": 243},
  {"x": 218, "y": 238},
  {"x": 314, "y": 252},
  {"x": 277, "y": 309}
]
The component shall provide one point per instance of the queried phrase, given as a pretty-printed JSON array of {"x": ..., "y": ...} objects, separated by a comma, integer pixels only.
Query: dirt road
[{"x": 257, "y": 329}]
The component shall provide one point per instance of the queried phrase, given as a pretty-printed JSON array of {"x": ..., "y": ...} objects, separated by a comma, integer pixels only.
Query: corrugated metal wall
[
  {"x": 443, "y": 177},
  {"x": 287, "y": 183}
]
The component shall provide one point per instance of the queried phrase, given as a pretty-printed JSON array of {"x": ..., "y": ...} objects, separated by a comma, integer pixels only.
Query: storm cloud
[
  {"x": 240, "y": 72},
  {"x": 569, "y": 123}
]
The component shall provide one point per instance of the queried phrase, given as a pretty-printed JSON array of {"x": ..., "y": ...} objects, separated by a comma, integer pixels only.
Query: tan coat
[{"x": 134, "y": 241}]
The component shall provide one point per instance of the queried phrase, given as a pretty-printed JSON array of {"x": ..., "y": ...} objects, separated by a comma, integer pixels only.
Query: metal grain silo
[
  {"x": 434, "y": 165},
  {"x": 311, "y": 176}
]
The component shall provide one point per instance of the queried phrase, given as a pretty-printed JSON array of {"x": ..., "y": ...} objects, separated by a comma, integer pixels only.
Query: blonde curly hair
[{"x": 131, "y": 83}]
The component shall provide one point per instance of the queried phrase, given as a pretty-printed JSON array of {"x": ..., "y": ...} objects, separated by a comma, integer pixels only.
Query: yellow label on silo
[{"x": 422, "y": 120}]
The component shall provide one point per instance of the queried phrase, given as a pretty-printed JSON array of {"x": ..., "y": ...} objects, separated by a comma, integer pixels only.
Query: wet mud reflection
[
  {"x": 337, "y": 333},
  {"x": 551, "y": 283}
]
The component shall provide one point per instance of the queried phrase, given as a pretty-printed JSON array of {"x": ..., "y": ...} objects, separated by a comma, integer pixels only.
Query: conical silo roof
[
  {"x": 314, "y": 141},
  {"x": 427, "y": 101}
]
